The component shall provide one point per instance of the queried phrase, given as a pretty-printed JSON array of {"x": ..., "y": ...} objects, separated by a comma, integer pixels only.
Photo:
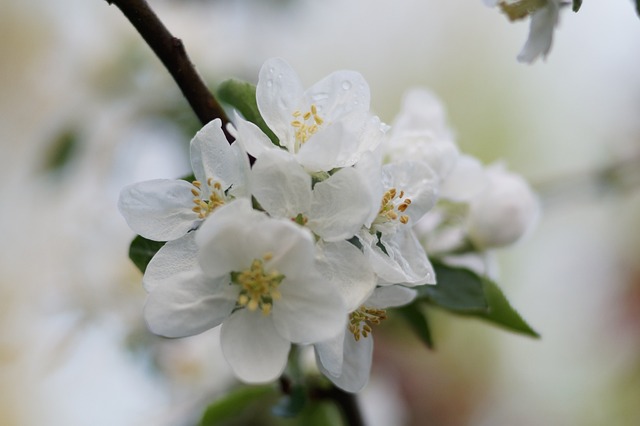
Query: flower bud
[{"x": 503, "y": 212}]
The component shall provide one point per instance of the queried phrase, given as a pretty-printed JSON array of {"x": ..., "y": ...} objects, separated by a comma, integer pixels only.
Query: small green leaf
[
  {"x": 61, "y": 151},
  {"x": 458, "y": 290},
  {"x": 502, "y": 313},
  {"x": 577, "y": 4},
  {"x": 242, "y": 96},
  {"x": 291, "y": 405},
  {"x": 233, "y": 404},
  {"x": 417, "y": 319},
  {"x": 142, "y": 250}
]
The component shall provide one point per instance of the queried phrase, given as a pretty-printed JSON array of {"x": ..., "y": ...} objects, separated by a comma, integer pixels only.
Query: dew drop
[
  {"x": 346, "y": 85},
  {"x": 271, "y": 70},
  {"x": 317, "y": 97},
  {"x": 269, "y": 83}
]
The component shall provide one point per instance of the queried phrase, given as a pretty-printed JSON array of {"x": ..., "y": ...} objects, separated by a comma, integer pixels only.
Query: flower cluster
[{"x": 317, "y": 239}]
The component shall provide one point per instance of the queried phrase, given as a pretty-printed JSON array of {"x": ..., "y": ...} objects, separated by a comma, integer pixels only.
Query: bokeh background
[{"x": 86, "y": 108}]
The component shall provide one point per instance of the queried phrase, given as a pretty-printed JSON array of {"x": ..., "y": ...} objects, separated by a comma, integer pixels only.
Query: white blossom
[
  {"x": 346, "y": 358},
  {"x": 165, "y": 209},
  {"x": 253, "y": 274},
  {"x": 325, "y": 127}
]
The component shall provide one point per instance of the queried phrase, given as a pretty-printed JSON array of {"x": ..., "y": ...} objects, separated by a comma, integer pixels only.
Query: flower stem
[{"x": 173, "y": 55}]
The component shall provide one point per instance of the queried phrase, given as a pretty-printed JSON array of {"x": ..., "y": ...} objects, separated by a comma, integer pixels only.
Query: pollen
[
  {"x": 258, "y": 288},
  {"x": 362, "y": 319},
  {"x": 217, "y": 197},
  {"x": 306, "y": 125},
  {"x": 391, "y": 205}
]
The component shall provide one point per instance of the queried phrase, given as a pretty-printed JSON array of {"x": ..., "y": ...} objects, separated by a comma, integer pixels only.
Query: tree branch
[{"x": 171, "y": 52}]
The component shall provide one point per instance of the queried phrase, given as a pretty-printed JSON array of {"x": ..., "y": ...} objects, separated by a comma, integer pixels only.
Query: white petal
[
  {"x": 330, "y": 353},
  {"x": 187, "y": 307},
  {"x": 466, "y": 180},
  {"x": 252, "y": 347},
  {"x": 356, "y": 366},
  {"x": 159, "y": 209},
  {"x": 309, "y": 311},
  {"x": 224, "y": 237},
  {"x": 175, "y": 261},
  {"x": 345, "y": 267},
  {"x": 339, "y": 94},
  {"x": 251, "y": 138},
  {"x": 279, "y": 95},
  {"x": 543, "y": 23},
  {"x": 404, "y": 262},
  {"x": 182, "y": 300},
  {"x": 280, "y": 184},
  {"x": 213, "y": 157},
  {"x": 390, "y": 297},
  {"x": 341, "y": 205}
]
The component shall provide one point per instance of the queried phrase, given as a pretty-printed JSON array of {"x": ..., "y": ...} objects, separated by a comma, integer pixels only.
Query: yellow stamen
[
  {"x": 362, "y": 319},
  {"x": 258, "y": 288},
  {"x": 306, "y": 125}
]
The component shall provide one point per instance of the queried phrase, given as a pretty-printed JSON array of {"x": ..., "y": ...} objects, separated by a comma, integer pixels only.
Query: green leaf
[
  {"x": 577, "y": 4},
  {"x": 61, "y": 151},
  {"x": 502, "y": 313},
  {"x": 233, "y": 404},
  {"x": 142, "y": 250},
  {"x": 458, "y": 290},
  {"x": 417, "y": 319},
  {"x": 463, "y": 292},
  {"x": 638, "y": 7},
  {"x": 291, "y": 405},
  {"x": 242, "y": 96}
]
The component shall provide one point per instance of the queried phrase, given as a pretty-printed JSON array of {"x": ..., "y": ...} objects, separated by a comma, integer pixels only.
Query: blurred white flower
[
  {"x": 346, "y": 359},
  {"x": 420, "y": 133},
  {"x": 503, "y": 212},
  {"x": 165, "y": 209},
  {"x": 327, "y": 126}
]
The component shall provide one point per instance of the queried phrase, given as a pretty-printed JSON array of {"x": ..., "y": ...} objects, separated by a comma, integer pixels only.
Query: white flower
[
  {"x": 346, "y": 359},
  {"x": 420, "y": 133},
  {"x": 503, "y": 212},
  {"x": 327, "y": 126},
  {"x": 165, "y": 209},
  {"x": 334, "y": 208},
  {"x": 408, "y": 191},
  {"x": 253, "y": 274}
]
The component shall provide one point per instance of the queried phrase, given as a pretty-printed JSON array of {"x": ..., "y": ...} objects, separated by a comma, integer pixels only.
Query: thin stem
[{"x": 171, "y": 52}]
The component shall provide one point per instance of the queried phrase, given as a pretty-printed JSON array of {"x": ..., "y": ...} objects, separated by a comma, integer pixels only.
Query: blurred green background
[{"x": 86, "y": 108}]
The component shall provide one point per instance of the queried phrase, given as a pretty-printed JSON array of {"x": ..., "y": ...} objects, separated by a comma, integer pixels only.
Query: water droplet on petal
[
  {"x": 271, "y": 70},
  {"x": 279, "y": 76},
  {"x": 269, "y": 83},
  {"x": 317, "y": 97},
  {"x": 346, "y": 85}
]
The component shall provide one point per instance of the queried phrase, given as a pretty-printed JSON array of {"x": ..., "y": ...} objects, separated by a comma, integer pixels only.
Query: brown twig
[{"x": 171, "y": 52}]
